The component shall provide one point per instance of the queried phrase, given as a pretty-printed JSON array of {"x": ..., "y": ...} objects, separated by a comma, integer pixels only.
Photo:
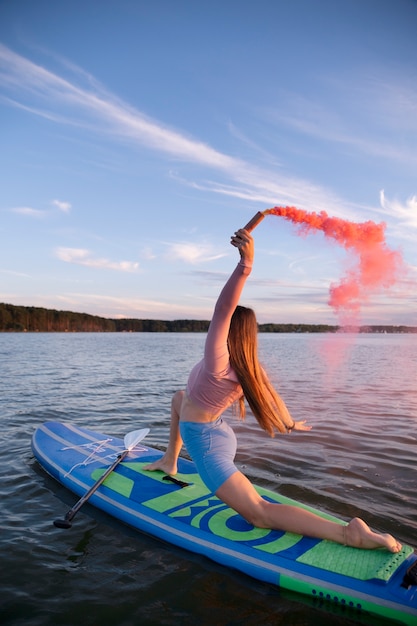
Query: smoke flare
[{"x": 375, "y": 267}]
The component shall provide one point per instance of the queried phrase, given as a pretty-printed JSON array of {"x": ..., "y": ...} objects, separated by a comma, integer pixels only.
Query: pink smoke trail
[{"x": 375, "y": 267}]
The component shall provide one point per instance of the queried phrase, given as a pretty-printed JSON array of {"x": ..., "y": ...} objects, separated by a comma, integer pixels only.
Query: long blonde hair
[{"x": 265, "y": 403}]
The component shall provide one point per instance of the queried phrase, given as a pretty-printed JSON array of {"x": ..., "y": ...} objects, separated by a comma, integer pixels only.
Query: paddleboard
[{"x": 182, "y": 511}]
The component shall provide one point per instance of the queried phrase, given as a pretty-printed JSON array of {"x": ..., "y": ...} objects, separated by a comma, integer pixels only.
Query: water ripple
[{"x": 359, "y": 459}]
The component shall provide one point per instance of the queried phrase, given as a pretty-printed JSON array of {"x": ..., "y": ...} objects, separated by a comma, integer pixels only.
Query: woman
[{"x": 228, "y": 373}]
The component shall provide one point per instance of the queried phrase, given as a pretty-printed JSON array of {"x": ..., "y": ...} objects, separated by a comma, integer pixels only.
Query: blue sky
[{"x": 137, "y": 136}]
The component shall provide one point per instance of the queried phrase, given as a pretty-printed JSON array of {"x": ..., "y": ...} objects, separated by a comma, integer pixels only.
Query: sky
[{"x": 137, "y": 136}]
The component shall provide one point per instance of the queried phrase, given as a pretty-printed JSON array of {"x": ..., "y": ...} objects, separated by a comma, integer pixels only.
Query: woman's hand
[
  {"x": 243, "y": 241},
  {"x": 301, "y": 425}
]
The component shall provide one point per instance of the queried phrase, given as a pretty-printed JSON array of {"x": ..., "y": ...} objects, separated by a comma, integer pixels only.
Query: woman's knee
[
  {"x": 239, "y": 493},
  {"x": 258, "y": 514}
]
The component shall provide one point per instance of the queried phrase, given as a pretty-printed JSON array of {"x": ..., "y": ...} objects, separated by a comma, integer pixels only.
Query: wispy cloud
[
  {"x": 406, "y": 212},
  {"x": 45, "y": 93},
  {"x": 367, "y": 113},
  {"x": 83, "y": 101},
  {"x": 94, "y": 104},
  {"x": 28, "y": 211},
  {"x": 120, "y": 307},
  {"x": 62, "y": 206},
  {"x": 81, "y": 256},
  {"x": 13, "y": 273},
  {"x": 192, "y": 253}
]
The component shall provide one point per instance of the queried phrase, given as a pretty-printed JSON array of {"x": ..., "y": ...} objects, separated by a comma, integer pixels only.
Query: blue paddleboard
[{"x": 185, "y": 513}]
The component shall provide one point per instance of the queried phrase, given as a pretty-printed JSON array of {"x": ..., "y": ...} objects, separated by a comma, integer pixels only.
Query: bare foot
[
  {"x": 164, "y": 464},
  {"x": 359, "y": 535}
]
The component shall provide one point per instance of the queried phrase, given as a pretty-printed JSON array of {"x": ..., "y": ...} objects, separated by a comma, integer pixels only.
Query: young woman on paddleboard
[{"x": 229, "y": 373}]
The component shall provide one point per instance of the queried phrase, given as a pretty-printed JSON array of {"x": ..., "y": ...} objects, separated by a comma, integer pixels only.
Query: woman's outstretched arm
[{"x": 216, "y": 354}]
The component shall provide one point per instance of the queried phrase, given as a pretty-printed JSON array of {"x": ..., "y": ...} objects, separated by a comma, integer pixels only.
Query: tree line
[{"x": 37, "y": 319}]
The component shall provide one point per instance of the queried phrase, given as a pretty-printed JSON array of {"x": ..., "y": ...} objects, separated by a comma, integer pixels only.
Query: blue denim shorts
[{"x": 212, "y": 447}]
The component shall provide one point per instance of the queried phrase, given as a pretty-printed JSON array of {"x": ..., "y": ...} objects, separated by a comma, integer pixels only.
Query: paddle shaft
[{"x": 77, "y": 506}]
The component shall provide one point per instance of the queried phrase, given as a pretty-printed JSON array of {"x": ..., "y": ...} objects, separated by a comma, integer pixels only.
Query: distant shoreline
[{"x": 15, "y": 318}]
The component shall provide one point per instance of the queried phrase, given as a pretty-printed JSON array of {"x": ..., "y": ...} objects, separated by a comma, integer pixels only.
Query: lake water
[{"x": 359, "y": 393}]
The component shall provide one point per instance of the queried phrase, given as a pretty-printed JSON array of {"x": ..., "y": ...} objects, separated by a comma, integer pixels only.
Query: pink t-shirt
[{"x": 212, "y": 383}]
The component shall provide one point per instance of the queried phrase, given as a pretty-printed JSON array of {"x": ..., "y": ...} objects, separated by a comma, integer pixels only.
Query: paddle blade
[
  {"x": 133, "y": 438},
  {"x": 62, "y": 523}
]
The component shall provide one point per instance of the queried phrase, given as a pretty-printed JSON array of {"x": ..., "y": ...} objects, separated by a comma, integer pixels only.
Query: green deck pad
[
  {"x": 177, "y": 497},
  {"x": 196, "y": 501},
  {"x": 124, "y": 486},
  {"x": 361, "y": 564},
  {"x": 115, "y": 481}
]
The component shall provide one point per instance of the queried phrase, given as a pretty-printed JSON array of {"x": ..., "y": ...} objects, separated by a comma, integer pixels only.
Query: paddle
[{"x": 130, "y": 441}]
